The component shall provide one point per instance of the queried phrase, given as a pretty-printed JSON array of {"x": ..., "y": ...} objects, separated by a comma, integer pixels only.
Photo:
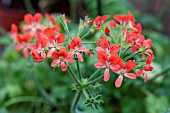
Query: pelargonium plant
[{"x": 127, "y": 55}]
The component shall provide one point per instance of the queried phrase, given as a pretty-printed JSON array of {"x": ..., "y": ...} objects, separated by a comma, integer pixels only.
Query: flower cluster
[{"x": 128, "y": 54}]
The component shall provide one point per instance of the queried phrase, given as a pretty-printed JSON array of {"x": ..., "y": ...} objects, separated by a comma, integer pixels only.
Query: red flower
[
  {"x": 113, "y": 23},
  {"x": 14, "y": 30},
  {"x": 105, "y": 46},
  {"x": 107, "y": 31},
  {"x": 33, "y": 23},
  {"x": 62, "y": 57},
  {"x": 50, "y": 18},
  {"x": 108, "y": 63},
  {"x": 124, "y": 71},
  {"x": 40, "y": 45},
  {"x": 23, "y": 43},
  {"x": 37, "y": 57},
  {"x": 76, "y": 47}
]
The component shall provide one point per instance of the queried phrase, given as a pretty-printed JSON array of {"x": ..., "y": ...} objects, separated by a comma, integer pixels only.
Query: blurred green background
[{"x": 41, "y": 89}]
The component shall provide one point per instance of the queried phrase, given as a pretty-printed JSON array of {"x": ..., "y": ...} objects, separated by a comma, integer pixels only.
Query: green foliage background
[{"x": 38, "y": 88}]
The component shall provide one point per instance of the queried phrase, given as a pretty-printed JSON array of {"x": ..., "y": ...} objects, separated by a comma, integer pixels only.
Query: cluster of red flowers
[{"x": 52, "y": 43}]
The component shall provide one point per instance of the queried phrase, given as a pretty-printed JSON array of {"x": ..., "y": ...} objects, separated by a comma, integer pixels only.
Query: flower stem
[
  {"x": 88, "y": 33},
  {"x": 95, "y": 80},
  {"x": 78, "y": 69},
  {"x": 125, "y": 51},
  {"x": 23, "y": 99},
  {"x": 73, "y": 75},
  {"x": 65, "y": 26},
  {"x": 88, "y": 42},
  {"x": 94, "y": 74},
  {"x": 130, "y": 56},
  {"x": 75, "y": 102}
]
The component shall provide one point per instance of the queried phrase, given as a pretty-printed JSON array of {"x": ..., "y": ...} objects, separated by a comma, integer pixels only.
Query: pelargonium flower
[
  {"x": 108, "y": 62},
  {"x": 124, "y": 71},
  {"x": 40, "y": 45},
  {"x": 76, "y": 47},
  {"x": 105, "y": 46},
  {"x": 33, "y": 24},
  {"x": 55, "y": 39},
  {"x": 23, "y": 43},
  {"x": 14, "y": 31},
  {"x": 146, "y": 68},
  {"x": 62, "y": 57}
]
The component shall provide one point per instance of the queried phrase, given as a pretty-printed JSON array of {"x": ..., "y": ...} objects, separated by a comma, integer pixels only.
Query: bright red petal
[
  {"x": 63, "y": 66},
  {"x": 119, "y": 80},
  {"x": 130, "y": 64},
  {"x": 99, "y": 65},
  {"x": 55, "y": 63},
  {"x": 104, "y": 42},
  {"x": 107, "y": 31},
  {"x": 79, "y": 56},
  {"x": 37, "y": 17},
  {"x": 139, "y": 72},
  {"x": 130, "y": 75},
  {"x": 106, "y": 75},
  {"x": 28, "y": 18}
]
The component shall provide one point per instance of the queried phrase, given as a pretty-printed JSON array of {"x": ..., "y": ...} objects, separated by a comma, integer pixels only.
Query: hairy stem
[
  {"x": 23, "y": 99},
  {"x": 94, "y": 74},
  {"x": 73, "y": 75},
  {"x": 88, "y": 33},
  {"x": 95, "y": 80},
  {"x": 78, "y": 69},
  {"x": 75, "y": 102}
]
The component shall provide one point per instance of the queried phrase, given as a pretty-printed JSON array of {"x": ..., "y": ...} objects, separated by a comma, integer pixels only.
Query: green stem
[
  {"x": 125, "y": 51},
  {"x": 88, "y": 33},
  {"x": 65, "y": 26},
  {"x": 95, "y": 80},
  {"x": 85, "y": 93},
  {"x": 94, "y": 74},
  {"x": 78, "y": 69},
  {"x": 89, "y": 43},
  {"x": 130, "y": 56},
  {"x": 73, "y": 75},
  {"x": 22, "y": 99},
  {"x": 75, "y": 102},
  {"x": 43, "y": 92}
]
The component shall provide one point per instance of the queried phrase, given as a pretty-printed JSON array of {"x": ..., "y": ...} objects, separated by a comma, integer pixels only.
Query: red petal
[
  {"x": 55, "y": 63},
  {"x": 14, "y": 28},
  {"x": 106, "y": 75},
  {"x": 28, "y": 18},
  {"x": 145, "y": 77},
  {"x": 55, "y": 55},
  {"x": 114, "y": 48},
  {"x": 113, "y": 23},
  {"x": 25, "y": 52},
  {"x": 63, "y": 66},
  {"x": 104, "y": 42},
  {"x": 37, "y": 17},
  {"x": 139, "y": 72},
  {"x": 99, "y": 65},
  {"x": 107, "y": 31},
  {"x": 119, "y": 80},
  {"x": 130, "y": 75},
  {"x": 83, "y": 49},
  {"x": 18, "y": 47},
  {"x": 60, "y": 38},
  {"x": 102, "y": 56},
  {"x": 104, "y": 17},
  {"x": 69, "y": 60},
  {"x": 79, "y": 56},
  {"x": 43, "y": 54},
  {"x": 130, "y": 64},
  {"x": 50, "y": 52},
  {"x": 118, "y": 18}
]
